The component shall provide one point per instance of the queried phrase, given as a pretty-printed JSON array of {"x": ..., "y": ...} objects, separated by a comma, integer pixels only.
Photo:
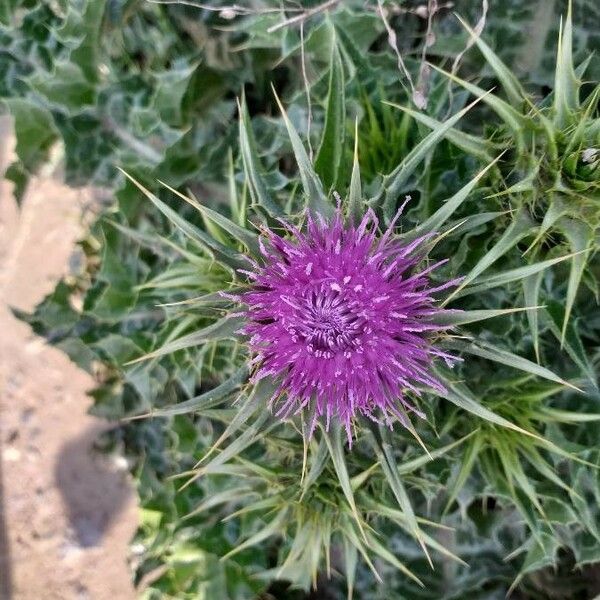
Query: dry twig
[{"x": 305, "y": 15}]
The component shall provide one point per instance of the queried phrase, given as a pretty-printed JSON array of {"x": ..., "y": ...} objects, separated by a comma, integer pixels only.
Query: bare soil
[{"x": 67, "y": 513}]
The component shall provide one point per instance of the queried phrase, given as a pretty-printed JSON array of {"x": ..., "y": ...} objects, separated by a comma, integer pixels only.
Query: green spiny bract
[{"x": 551, "y": 162}]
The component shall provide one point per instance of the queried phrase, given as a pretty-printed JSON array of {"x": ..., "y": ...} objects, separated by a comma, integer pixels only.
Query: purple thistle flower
[{"x": 341, "y": 320}]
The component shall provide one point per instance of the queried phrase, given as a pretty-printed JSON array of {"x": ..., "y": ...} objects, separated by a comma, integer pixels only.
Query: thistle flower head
[{"x": 339, "y": 316}]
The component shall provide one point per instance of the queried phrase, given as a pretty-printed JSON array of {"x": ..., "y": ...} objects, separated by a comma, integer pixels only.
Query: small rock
[{"x": 11, "y": 455}]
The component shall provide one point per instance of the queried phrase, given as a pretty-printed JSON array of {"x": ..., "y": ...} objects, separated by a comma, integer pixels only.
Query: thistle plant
[
  {"x": 338, "y": 327},
  {"x": 551, "y": 176},
  {"x": 318, "y": 528},
  {"x": 504, "y": 456},
  {"x": 326, "y": 383}
]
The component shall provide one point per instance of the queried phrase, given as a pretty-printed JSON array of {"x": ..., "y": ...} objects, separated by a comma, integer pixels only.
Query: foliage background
[{"x": 152, "y": 88}]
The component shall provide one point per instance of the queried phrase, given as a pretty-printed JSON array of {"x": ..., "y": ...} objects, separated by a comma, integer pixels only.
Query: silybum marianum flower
[{"x": 341, "y": 319}]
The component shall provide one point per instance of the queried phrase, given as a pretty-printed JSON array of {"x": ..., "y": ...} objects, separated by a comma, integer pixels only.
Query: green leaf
[
  {"x": 524, "y": 186},
  {"x": 516, "y": 231},
  {"x": 458, "y": 228},
  {"x": 7, "y": 9},
  {"x": 180, "y": 277},
  {"x": 246, "y": 237},
  {"x": 259, "y": 190},
  {"x": 571, "y": 341},
  {"x": 355, "y": 201},
  {"x": 381, "y": 550},
  {"x": 535, "y": 459},
  {"x": 513, "y": 466},
  {"x": 260, "y": 504},
  {"x": 509, "y": 82},
  {"x": 34, "y": 131},
  {"x": 170, "y": 88},
  {"x": 462, "y": 397},
  {"x": 331, "y": 149},
  {"x": 435, "y": 221},
  {"x": 237, "y": 204},
  {"x": 313, "y": 188},
  {"x": 114, "y": 296},
  {"x": 256, "y": 401},
  {"x": 540, "y": 555},
  {"x": 222, "y": 253},
  {"x": 567, "y": 416},
  {"x": 499, "y": 355},
  {"x": 556, "y": 209},
  {"x": 260, "y": 426},
  {"x": 580, "y": 238},
  {"x": 455, "y": 318},
  {"x": 225, "y": 328},
  {"x": 350, "y": 564},
  {"x": 157, "y": 244},
  {"x": 393, "y": 182},
  {"x": 204, "y": 401},
  {"x": 318, "y": 462},
  {"x": 226, "y": 496},
  {"x": 348, "y": 532},
  {"x": 333, "y": 437},
  {"x": 471, "y": 144},
  {"x": 66, "y": 87},
  {"x": 272, "y": 528},
  {"x": 466, "y": 466},
  {"x": 566, "y": 84},
  {"x": 400, "y": 518},
  {"x": 416, "y": 463},
  {"x": 81, "y": 31},
  {"x": 380, "y": 440},
  {"x": 18, "y": 175},
  {"x": 519, "y": 274},
  {"x": 513, "y": 119},
  {"x": 531, "y": 293}
]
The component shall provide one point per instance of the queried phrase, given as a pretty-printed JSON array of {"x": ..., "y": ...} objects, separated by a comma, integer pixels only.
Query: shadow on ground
[
  {"x": 68, "y": 514},
  {"x": 92, "y": 500}
]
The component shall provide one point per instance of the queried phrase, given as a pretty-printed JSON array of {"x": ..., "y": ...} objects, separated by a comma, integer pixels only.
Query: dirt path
[{"x": 66, "y": 515}]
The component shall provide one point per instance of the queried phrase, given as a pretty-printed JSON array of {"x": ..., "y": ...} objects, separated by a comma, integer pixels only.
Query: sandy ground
[{"x": 66, "y": 514}]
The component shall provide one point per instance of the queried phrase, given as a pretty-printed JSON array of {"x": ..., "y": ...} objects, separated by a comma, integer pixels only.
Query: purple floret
[{"x": 341, "y": 319}]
